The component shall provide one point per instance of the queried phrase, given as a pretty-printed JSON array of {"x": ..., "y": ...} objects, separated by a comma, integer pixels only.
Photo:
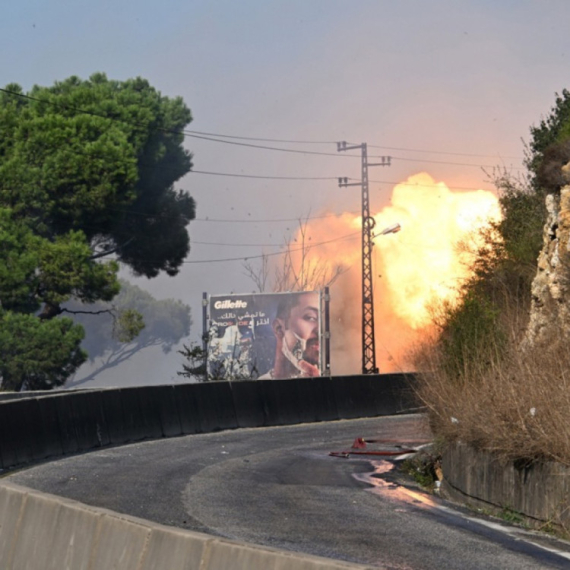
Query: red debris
[
  {"x": 397, "y": 441},
  {"x": 359, "y": 444},
  {"x": 384, "y": 453}
]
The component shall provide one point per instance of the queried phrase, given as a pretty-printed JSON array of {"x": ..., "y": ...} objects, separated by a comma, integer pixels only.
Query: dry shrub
[{"x": 513, "y": 401}]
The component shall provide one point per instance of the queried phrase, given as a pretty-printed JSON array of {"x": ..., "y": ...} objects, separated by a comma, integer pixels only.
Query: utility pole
[{"x": 368, "y": 222}]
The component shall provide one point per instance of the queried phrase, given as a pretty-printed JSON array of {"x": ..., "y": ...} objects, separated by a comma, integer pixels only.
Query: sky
[{"x": 445, "y": 87}]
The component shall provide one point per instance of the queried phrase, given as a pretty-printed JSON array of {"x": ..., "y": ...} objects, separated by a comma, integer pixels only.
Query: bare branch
[
  {"x": 300, "y": 268},
  {"x": 259, "y": 275}
]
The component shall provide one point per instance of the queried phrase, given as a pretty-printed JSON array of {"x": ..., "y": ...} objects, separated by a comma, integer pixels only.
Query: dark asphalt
[{"x": 279, "y": 487}]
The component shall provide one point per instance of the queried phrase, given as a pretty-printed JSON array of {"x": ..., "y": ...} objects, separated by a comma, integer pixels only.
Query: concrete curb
[{"x": 44, "y": 532}]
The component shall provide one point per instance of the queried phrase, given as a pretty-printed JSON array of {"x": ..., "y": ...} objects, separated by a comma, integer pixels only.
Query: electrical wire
[
  {"x": 272, "y": 220},
  {"x": 274, "y": 148},
  {"x": 220, "y": 139},
  {"x": 428, "y": 185},
  {"x": 171, "y": 131},
  {"x": 261, "y": 177},
  {"x": 444, "y": 162},
  {"x": 183, "y": 132},
  {"x": 311, "y": 152},
  {"x": 283, "y": 141},
  {"x": 194, "y": 242},
  {"x": 335, "y": 178},
  {"x": 234, "y": 220},
  {"x": 248, "y": 257},
  {"x": 391, "y": 182},
  {"x": 402, "y": 149}
]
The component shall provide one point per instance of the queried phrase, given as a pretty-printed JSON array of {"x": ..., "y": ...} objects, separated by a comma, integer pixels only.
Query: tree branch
[
  {"x": 110, "y": 251},
  {"x": 109, "y": 311}
]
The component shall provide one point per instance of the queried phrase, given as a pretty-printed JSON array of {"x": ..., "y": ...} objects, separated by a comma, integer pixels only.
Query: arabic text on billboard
[{"x": 266, "y": 335}]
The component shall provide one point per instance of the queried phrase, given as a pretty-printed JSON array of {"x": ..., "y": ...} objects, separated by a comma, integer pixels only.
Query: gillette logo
[{"x": 227, "y": 304}]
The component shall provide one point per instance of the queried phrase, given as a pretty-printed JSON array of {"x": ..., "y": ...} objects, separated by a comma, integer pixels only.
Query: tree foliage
[
  {"x": 471, "y": 336},
  {"x": 471, "y": 333},
  {"x": 87, "y": 172},
  {"x": 38, "y": 272},
  {"x": 99, "y": 156},
  {"x": 552, "y": 131},
  {"x": 38, "y": 354},
  {"x": 194, "y": 366},
  {"x": 132, "y": 322}
]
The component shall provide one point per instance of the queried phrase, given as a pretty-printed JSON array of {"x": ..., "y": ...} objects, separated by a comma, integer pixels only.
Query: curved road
[{"x": 279, "y": 487}]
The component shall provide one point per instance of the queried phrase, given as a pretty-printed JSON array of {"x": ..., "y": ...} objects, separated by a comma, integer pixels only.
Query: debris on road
[{"x": 359, "y": 447}]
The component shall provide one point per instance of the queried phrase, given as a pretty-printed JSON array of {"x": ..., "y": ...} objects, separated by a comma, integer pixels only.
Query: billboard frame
[{"x": 248, "y": 367}]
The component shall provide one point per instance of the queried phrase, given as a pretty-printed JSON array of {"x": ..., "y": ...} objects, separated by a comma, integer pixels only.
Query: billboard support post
[
  {"x": 205, "y": 331},
  {"x": 327, "y": 334}
]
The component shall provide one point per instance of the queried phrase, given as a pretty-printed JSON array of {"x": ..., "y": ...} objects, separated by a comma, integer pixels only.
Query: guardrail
[{"x": 34, "y": 428}]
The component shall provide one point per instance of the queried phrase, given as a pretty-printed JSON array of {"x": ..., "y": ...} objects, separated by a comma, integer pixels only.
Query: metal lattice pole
[{"x": 368, "y": 222}]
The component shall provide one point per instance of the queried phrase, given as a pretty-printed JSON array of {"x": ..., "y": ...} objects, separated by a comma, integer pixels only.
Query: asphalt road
[{"x": 279, "y": 487}]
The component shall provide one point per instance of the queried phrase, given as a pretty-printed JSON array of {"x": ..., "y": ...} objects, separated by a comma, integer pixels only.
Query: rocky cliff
[{"x": 550, "y": 308}]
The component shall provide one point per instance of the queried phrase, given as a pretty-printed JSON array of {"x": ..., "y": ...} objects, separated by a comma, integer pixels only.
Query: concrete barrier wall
[
  {"x": 539, "y": 492},
  {"x": 42, "y": 532},
  {"x": 49, "y": 425},
  {"x": 36, "y": 393}
]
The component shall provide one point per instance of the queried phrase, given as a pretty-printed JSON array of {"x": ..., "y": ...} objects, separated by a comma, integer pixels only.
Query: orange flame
[
  {"x": 414, "y": 269},
  {"x": 423, "y": 263}
]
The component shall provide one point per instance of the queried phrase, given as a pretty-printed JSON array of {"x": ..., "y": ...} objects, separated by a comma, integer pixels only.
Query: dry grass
[{"x": 516, "y": 405}]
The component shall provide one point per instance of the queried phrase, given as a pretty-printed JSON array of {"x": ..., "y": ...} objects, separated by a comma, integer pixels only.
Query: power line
[
  {"x": 220, "y": 139},
  {"x": 284, "y": 141},
  {"x": 161, "y": 167},
  {"x": 194, "y": 242},
  {"x": 272, "y": 220},
  {"x": 234, "y": 220},
  {"x": 311, "y": 152},
  {"x": 335, "y": 178},
  {"x": 444, "y": 162},
  {"x": 262, "y": 177},
  {"x": 406, "y": 183},
  {"x": 172, "y": 131},
  {"x": 248, "y": 257},
  {"x": 403, "y": 149},
  {"x": 273, "y": 148},
  {"x": 308, "y": 245}
]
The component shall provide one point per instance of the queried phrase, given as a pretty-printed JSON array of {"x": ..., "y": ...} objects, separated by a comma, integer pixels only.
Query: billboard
[{"x": 265, "y": 335}]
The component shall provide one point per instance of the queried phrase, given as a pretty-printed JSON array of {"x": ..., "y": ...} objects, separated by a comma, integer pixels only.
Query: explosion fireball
[{"x": 413, "y": 270}]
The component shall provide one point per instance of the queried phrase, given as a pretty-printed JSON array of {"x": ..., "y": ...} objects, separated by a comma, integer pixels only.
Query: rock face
[{"x": 550, "y": 308}]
